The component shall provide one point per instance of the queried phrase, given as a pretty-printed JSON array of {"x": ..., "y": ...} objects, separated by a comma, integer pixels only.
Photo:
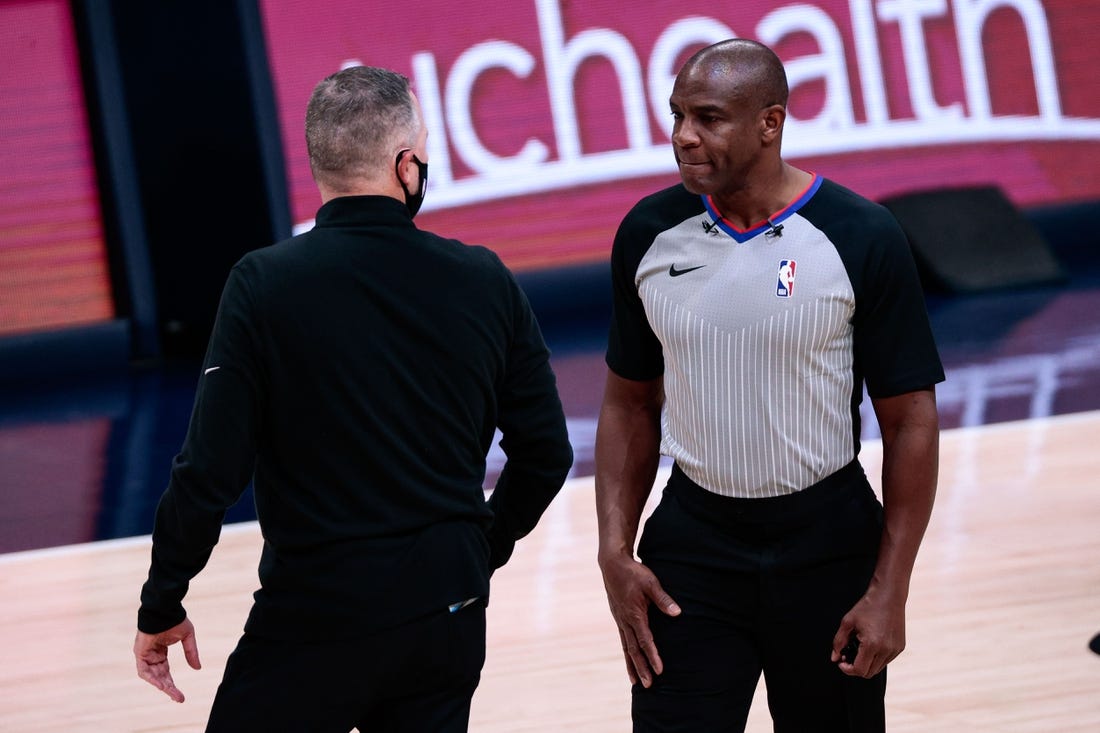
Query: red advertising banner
[
  {"x": 53, "y": 265},
  {"x": 548, "y": 119}
]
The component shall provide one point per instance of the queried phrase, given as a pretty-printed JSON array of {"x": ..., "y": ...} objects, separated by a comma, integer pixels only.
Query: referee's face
[{"x": 716, "y": 133}]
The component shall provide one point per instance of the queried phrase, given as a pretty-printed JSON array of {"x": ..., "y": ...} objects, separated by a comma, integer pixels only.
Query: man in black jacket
[{"x": 356, "y": 374}]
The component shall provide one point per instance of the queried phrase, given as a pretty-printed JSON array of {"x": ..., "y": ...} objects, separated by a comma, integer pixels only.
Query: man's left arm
[{"x": 910, "y": 462}]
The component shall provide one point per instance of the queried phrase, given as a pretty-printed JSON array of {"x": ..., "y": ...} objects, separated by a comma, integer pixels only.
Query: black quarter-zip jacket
[{"x": 356, "y": 374}]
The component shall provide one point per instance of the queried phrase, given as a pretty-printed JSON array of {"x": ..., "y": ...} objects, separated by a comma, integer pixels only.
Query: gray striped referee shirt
[{"x": 765, "y": 337}]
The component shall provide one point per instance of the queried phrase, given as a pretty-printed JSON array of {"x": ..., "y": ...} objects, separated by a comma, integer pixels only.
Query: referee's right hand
[{"x": 631, "y": 587}]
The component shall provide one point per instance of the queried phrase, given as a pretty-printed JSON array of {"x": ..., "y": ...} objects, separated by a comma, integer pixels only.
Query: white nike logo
[{"x": 212, "y": 369}]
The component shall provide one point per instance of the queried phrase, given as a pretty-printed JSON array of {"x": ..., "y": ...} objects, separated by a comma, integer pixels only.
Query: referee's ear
[{"x": 772, "y": 119}]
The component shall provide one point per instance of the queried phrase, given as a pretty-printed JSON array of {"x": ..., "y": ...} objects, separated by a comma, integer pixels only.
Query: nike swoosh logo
[
  {"x": 212, "y": 369},
  {"x": 677, "y": 273}
]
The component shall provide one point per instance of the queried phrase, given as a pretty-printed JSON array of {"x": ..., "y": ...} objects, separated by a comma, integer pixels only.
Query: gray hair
[{"x": 356, "y": 121}]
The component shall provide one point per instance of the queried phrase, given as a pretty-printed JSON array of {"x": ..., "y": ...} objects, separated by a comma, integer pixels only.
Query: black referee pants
[
  {"x": 762, "y": 584},
  {"x": 417, "y": 678}
]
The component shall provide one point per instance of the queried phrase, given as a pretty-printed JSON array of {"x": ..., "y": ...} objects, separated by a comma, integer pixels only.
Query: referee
[{"x": 752, "y": 304}]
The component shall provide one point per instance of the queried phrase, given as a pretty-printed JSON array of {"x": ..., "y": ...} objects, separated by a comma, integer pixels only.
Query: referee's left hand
[{"x": 879, "y": 624}]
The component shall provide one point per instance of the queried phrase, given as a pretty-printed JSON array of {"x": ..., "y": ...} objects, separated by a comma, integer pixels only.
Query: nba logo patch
[{"x": 785, "y": 286}]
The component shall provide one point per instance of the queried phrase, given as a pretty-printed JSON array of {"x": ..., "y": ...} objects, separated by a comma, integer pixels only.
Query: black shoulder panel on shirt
[{"x": 894, "y": 347}]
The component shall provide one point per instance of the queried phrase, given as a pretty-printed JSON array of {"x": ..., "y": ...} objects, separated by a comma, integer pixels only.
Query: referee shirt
[{"x": 766, "y": 337}]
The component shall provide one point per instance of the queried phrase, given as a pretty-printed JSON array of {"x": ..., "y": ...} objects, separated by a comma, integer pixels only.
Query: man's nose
[{"x": 683, "y": 134}]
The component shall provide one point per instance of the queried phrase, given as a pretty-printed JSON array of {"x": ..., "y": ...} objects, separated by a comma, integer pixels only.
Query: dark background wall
[{"x": 183, "y": 86}]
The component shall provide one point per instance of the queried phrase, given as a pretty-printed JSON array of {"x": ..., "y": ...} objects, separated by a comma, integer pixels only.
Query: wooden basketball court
[{"x": 1005, "y": 598}]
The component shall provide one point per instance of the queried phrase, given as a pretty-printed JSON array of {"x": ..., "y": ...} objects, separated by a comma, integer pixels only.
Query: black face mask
[{"x": 413, "y": 200}]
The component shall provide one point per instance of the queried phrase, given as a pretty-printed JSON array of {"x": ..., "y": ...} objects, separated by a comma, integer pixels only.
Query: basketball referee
[{"x": 752, "y": 303}]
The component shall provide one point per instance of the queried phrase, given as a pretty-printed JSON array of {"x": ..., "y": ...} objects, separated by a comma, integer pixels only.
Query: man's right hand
[
  {"x": 631, "y": 587},
  {"x": 151, "y": 655}
]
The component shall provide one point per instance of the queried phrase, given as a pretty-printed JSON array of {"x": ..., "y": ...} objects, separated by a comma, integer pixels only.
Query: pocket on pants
[{"x": 658, "y": 528}]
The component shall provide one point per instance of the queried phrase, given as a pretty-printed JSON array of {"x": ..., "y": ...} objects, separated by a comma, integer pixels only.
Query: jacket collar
[{"x": 357, "y": 210}]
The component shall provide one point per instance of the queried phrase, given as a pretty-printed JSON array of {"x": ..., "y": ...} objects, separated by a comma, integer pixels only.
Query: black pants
[
  {"x": 763, "y": 584},
  {"x": 419, "y": 677}
]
